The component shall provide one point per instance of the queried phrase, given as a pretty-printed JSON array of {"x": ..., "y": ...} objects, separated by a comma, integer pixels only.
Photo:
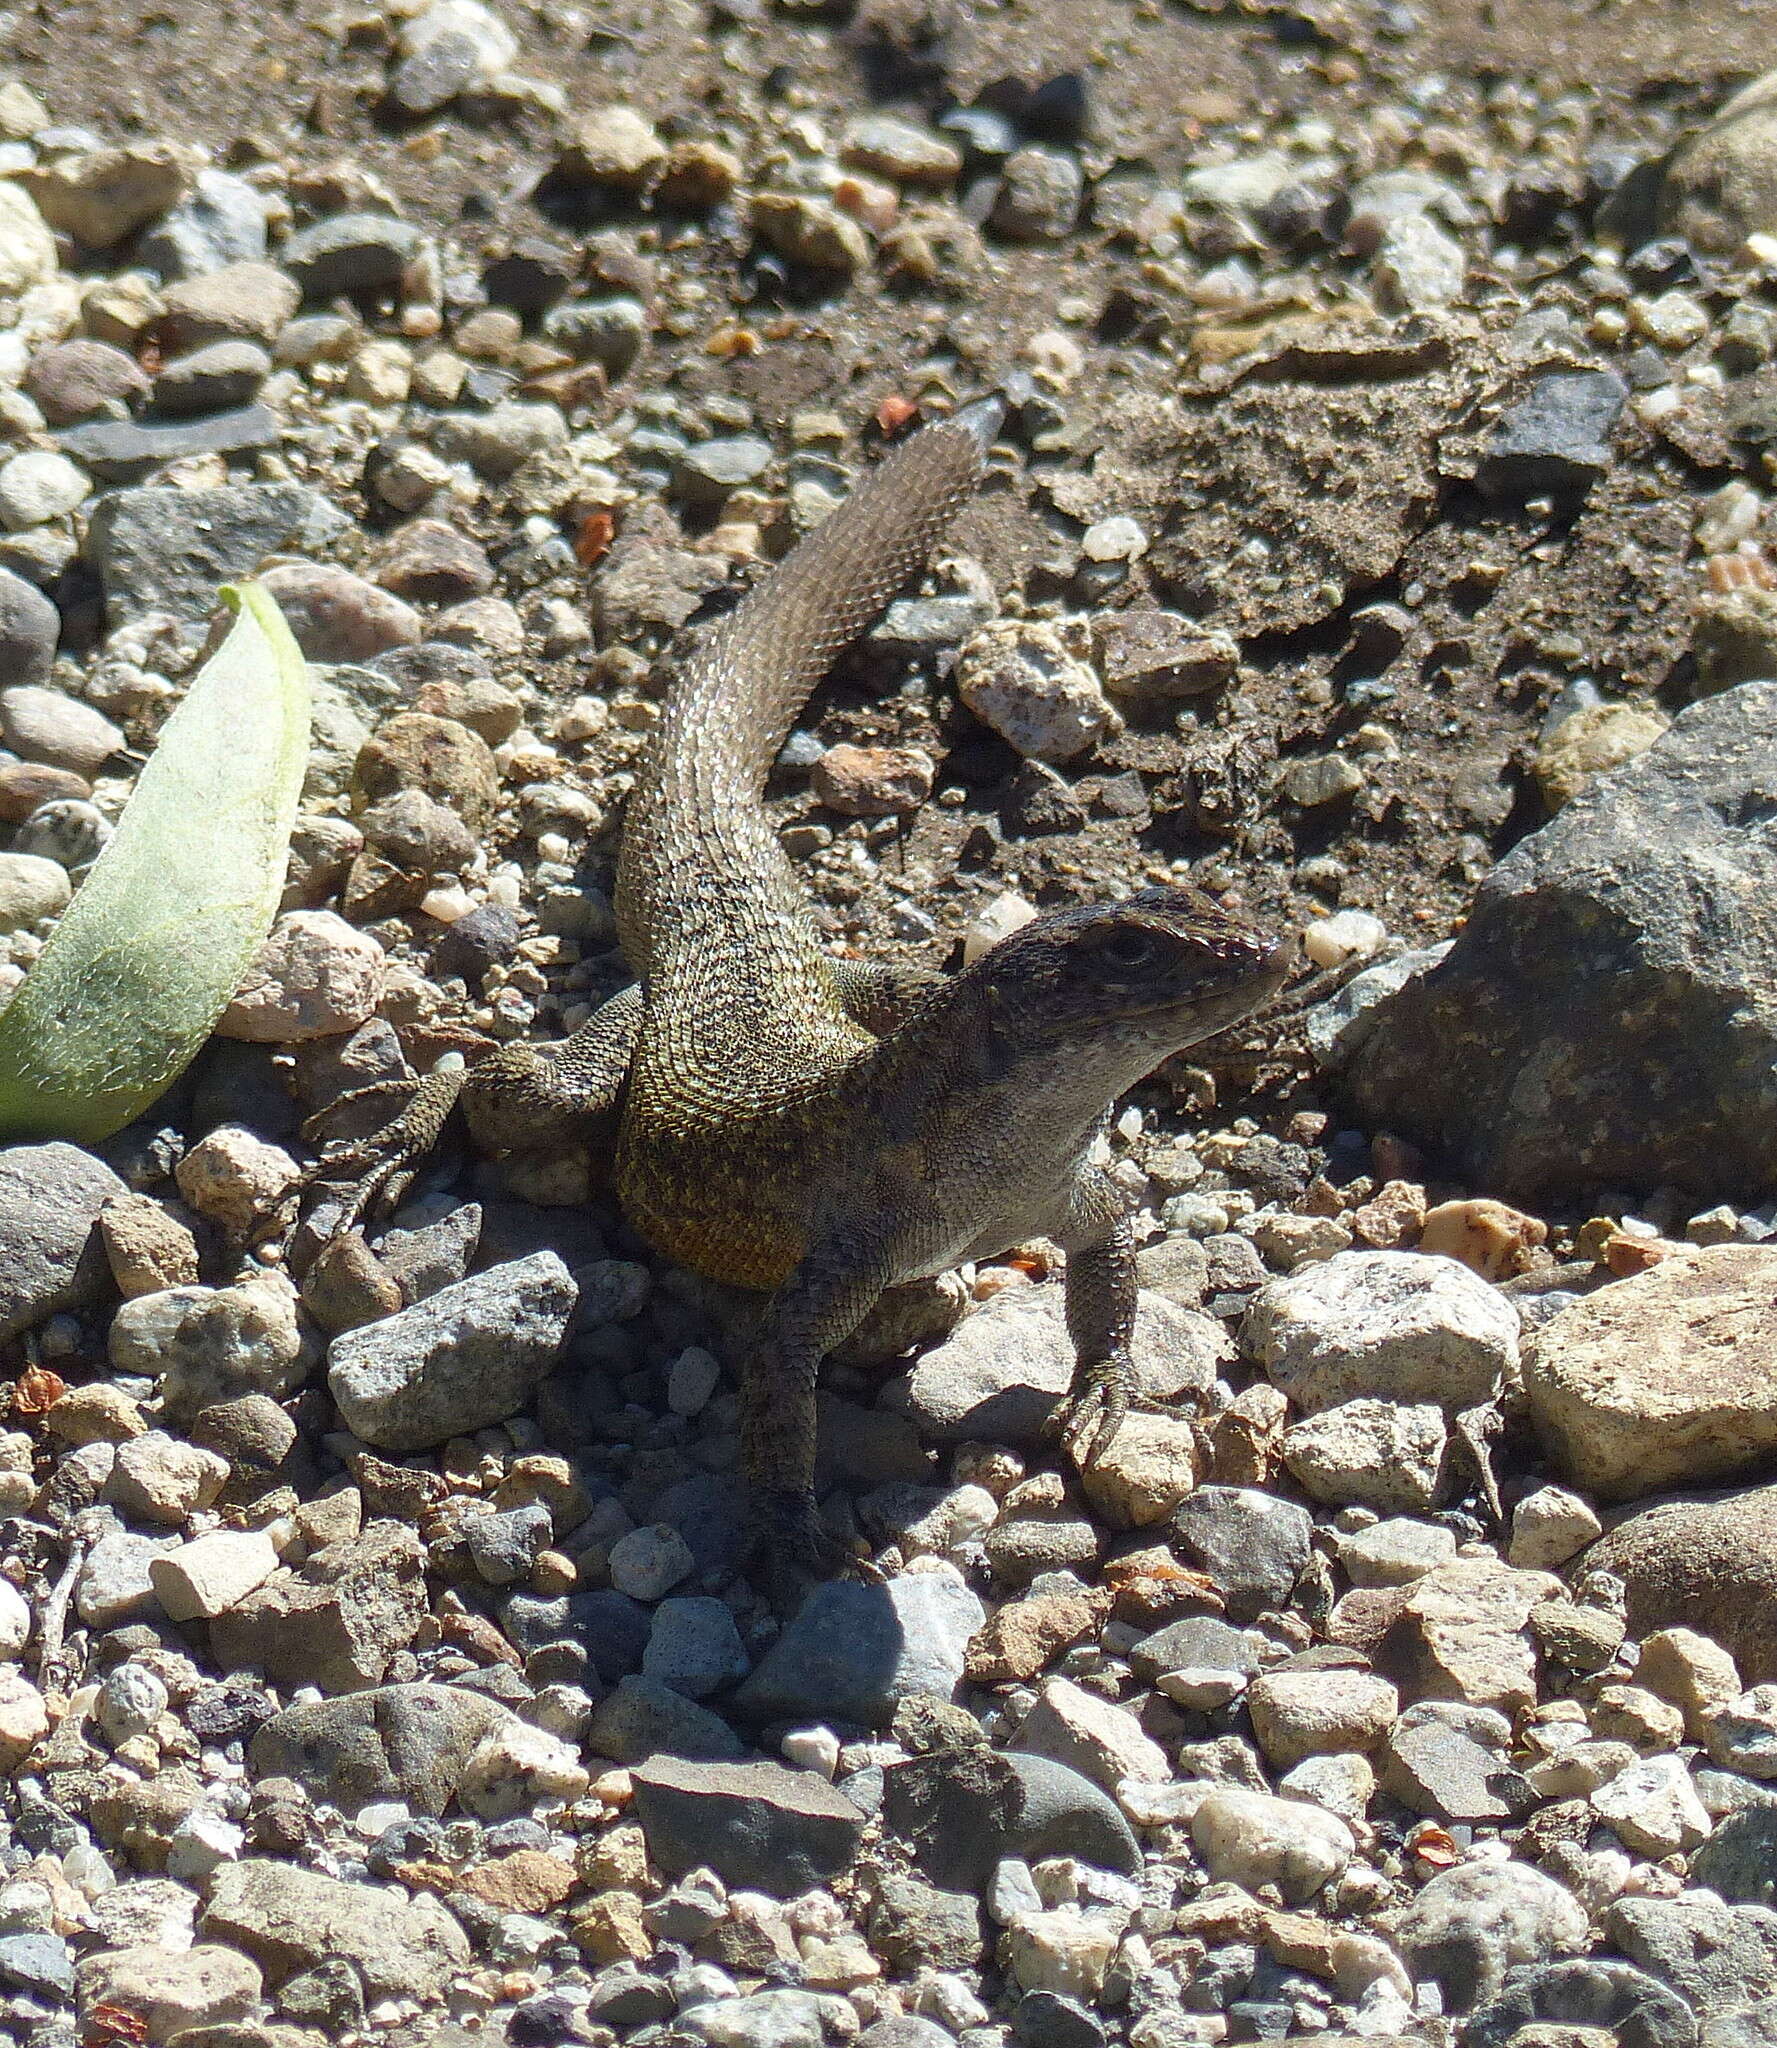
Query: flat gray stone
[
  {"x": 158, "y": 548},
  {"x": 755, "y": 1824},
  {"x": 462, "y": 1359},
  {"x": 118, "y": 451},
  {"x": 289, "y": 1919},
  {"x": 853, "y": 1651}
]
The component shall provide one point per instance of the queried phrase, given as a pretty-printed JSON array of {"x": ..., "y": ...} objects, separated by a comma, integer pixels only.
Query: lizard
[{"x": 824, "y": 1130}]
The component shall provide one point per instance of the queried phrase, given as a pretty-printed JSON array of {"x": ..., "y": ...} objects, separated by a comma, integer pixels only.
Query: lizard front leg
[
  {"x": 1100, "y": 1249},
  {"x": 817, "y": 1307}
]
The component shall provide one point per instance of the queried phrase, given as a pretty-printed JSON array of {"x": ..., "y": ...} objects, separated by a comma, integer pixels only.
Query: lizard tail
[{"x": 733, "y": 706}]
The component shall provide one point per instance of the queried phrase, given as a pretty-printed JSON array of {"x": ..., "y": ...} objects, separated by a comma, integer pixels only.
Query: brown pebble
[
  {"x": 148, "y": 1248},
  {"x": 81, "y": 379},
  {"x": 1486, "y": 1236},
  {"x": 414, "y": 750},
  {"x": 347, "y": 1287},
  {"x": 434, "y": 563},
  {"x": 872, "y": 782},
  {"x": 24, "y": 785}
]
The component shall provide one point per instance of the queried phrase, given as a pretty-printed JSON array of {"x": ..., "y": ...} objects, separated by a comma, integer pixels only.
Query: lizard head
[{"x": 1146, "y": 976}]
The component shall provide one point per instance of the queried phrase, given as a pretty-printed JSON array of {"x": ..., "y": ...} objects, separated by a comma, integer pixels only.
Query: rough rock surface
[
  {"x": 1668, "y": 1378},
  {"x": 1608, "y": 1015}
]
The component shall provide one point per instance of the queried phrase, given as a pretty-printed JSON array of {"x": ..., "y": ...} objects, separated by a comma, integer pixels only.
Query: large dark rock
[
  {"x": 1608, "y": 1016},
  {"x": 160, "y": 548},
  {"x": 755, "y": 1824},
  {"x": 1706, "y": 1563},
  {"x": 962, "y": 1810},
  {"x": 1586, "y": 1992}
]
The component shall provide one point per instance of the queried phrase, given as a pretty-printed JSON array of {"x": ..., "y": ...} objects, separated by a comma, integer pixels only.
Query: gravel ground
[{"x": 1380, "y": 539}]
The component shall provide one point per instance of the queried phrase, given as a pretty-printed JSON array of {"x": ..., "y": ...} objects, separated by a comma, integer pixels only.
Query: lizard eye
[{"x": 1128, "y": 946}]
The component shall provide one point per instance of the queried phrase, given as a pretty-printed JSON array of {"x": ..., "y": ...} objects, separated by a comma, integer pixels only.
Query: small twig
[{"x": 53, "y": 1627}]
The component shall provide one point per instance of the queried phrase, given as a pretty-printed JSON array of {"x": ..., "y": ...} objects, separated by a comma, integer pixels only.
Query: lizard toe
[{"x": 1087, "y": 1421}]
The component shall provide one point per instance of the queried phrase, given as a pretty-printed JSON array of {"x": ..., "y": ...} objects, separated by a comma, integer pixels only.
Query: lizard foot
[
  {"x": 792, "y": 1549},
  {"x": 377, "y": 1171},
  {"x": 1087, "y": 1420}
]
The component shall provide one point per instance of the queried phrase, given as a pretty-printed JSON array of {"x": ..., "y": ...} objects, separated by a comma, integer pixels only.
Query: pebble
[
  {"x": 27, "y": 247},
  {"x": 240, "y": 301},
  {"x": 448, "y": 47},
  {"x": 458, "y": 1361},
  {"x": 1469, "y": 1926},
  {"x": 339, "y": 617},
  {"x": 1549, "y": 1527},
  {"x": 1715, "y": 1955},
  {"x": 1387, "y": 1455},
  {"x": 208, "y": 379},
  {"x": 1102, "y": 1741},
  {"x": 315, "y": 977},
  {"x": 430, "y": 562},
  {"x": 24, "y": 1717},
  {"x": 499, "y": 441},
  {"x": 810, "y": 232},
  {"x": 1021, "y": 678},
  {"x": 1250, "y": 1839},
  {"x": 964, "y": 1811},
  {"x": 1418, "y": 267},
  {"x": 159, "y": 1478},
  {"x": 755, "y": 1824},
  {"x": 1252, "y": 1544},
  {"x": 30, "y": 626},
  {"x": 15, "y": 1623},
  {"x": 401, "y": 1947},
  {"x": 51, "y": 1197},
  {"x": 1144, "y": 652},
  {"x": 694, "y": 1646},
  {"x": 1382, "y": 1324},
  {"x": 1554, "y": 442},
  {"x": 32, "y": 890},
  {"x": 1039, "y": 195},
  {"x": 98, "y": 196},
  {"x": 350, "y": 253},
  {"x": 1590, "y": 742},
  {"x": 1719, "y": 186},
  {"x": 649, "y": 1562},
  {"x": 1653, "y": 1808},
  {"x": 234, "y": 1177},
  {"x": 853, "y": 1652},
  {"x": 222, "y": 220},
  {"x": 211, "y": 1574},
  {"x": 39, "y": 485},
  {"x": 1307, "y": 1713},
  {"x": 120, "y": 451},
  {"x": 57, "y": 730},
  {"x": 1148, "y": 1469},
  {"x": 166, "y": 1992}
]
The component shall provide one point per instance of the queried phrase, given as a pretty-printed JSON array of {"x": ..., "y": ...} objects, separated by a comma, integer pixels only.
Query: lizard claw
[
  {"x": 378, "y": 1170},
  {"x": 793, "y": 1550},
  {"x": 1086, "y": 1422}
]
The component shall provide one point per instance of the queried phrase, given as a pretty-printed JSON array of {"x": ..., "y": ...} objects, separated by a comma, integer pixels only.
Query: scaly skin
[{"x": 785, "y": 1121}]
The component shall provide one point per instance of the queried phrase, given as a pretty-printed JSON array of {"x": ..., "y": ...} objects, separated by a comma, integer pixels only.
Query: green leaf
[{"x": 160, "y": 933}]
